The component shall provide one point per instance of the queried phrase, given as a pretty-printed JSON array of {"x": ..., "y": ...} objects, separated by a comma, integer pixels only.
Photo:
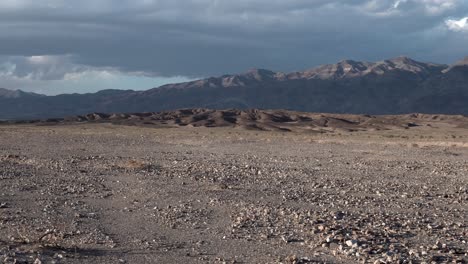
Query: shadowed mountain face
[{"x": 395, "y": 86}]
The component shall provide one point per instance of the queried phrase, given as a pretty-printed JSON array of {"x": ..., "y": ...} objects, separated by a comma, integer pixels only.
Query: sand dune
[{"x": 270, "y": 120}]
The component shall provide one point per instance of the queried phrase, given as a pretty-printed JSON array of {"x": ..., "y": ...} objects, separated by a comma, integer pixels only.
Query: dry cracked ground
[{"x": 102, "y": 193}]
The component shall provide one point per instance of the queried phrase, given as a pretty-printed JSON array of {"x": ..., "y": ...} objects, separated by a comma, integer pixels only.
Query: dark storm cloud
[{"x": 212, "y": 37}]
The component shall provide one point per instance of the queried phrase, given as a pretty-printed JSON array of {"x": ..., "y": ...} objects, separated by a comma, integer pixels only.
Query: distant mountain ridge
[
  {"x": 342, "y": 70},
  {"x": 395, "y": 86},
  {"x": 5, "y": 93}
]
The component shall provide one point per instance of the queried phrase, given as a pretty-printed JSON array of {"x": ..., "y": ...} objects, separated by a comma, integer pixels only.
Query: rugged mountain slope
[
  {"x": 444, "y": 93},
  {"x": 353, "y": 69},
  {"x": 395, "y": 86}
]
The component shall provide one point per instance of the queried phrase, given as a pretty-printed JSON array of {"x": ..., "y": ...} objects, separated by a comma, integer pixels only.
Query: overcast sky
[{"x": 65, "y": 46}]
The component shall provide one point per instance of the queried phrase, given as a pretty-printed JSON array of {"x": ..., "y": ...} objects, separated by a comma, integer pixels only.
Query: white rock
[{"x": 351, "y": 243}]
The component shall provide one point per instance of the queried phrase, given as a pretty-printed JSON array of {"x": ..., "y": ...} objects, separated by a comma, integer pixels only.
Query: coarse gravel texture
[{"x": 102, "y": 193}]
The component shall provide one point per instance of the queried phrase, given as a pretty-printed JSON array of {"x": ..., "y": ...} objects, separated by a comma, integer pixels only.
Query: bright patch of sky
[
  {"x": 457, "y": 25},
  {"x": 90, "y": 82}
]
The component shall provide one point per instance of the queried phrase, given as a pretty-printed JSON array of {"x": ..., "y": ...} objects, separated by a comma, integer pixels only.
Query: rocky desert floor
[{"x": 103, "y": 193}]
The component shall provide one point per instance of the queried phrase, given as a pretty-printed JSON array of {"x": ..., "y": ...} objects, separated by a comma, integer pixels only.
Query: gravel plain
[{"x": 103, "y": 193}]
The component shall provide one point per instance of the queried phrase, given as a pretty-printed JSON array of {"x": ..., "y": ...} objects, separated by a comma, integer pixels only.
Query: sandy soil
[{"x": 102, "y": 193}]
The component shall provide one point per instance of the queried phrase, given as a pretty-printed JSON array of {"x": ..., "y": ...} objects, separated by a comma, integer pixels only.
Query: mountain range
[{"x": 395, "y": 86}]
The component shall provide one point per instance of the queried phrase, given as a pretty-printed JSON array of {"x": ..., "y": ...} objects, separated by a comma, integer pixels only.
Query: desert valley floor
[{"x": 106, "y": 193}]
